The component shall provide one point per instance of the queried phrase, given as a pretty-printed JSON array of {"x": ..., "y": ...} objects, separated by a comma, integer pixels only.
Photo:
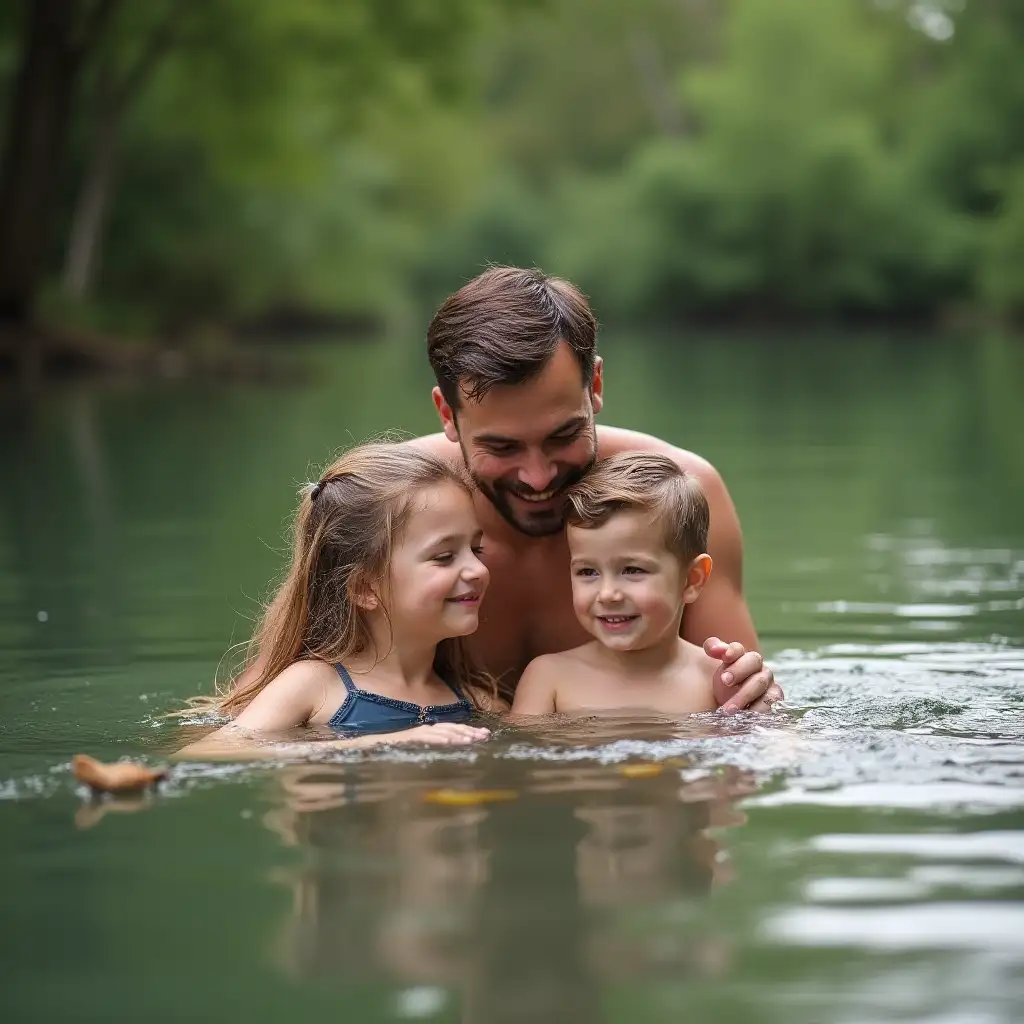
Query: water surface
[{"x": 857, "y": 857}]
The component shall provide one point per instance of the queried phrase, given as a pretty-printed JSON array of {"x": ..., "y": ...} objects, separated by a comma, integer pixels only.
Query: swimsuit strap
[{"x": 346, "y": 678}]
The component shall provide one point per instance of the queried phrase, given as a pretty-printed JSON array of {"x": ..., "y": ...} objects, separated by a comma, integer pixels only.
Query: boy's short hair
[{"x": 643, "y": 481}]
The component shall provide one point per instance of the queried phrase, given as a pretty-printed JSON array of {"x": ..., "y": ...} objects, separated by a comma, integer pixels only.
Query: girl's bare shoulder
[{"x": 303, "y": 686}]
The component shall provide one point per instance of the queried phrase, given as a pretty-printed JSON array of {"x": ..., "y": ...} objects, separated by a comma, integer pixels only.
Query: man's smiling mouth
[{"x": 539, "y": 497}]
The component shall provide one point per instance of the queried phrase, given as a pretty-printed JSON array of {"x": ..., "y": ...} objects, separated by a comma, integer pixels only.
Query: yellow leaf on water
[
  {"x": 641, "y": 771},
  {"x": 468, "y": 797}
]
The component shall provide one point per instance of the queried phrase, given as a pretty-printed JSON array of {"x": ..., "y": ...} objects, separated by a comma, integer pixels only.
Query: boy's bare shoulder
[
  {"x": 702, "y": 672},
  {"x": 562, "y": 661}
]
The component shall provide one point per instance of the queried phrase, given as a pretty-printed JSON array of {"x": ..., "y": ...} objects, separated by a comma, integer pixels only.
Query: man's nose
[{"x": 537, "y": 472}]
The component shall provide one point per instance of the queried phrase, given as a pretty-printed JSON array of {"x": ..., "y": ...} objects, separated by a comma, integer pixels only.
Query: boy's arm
[{"x": 535, "y": 692}]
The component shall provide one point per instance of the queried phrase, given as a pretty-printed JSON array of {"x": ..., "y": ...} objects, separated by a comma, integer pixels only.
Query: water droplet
[
  {"x": 42, "y": 616},
  {"x": 422, "y": 1001}
]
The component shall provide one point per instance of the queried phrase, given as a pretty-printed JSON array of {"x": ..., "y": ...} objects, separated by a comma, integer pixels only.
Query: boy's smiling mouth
[{"x": 617, "y": 621}]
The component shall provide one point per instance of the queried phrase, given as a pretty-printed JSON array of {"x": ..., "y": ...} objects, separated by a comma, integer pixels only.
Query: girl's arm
[
  {"x": 231, "y": 743},
  {"x": 535, "y": 692}
]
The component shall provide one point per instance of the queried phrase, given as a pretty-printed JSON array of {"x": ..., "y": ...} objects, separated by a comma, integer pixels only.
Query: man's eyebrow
[{"x": 569, "y": 424}]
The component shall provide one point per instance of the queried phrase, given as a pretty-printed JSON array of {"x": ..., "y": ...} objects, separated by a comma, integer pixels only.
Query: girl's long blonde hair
[{"x": 344, "y": 533}]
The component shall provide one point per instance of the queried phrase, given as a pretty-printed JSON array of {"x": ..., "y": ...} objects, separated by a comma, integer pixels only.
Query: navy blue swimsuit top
[{"x": 363, "y": 711}]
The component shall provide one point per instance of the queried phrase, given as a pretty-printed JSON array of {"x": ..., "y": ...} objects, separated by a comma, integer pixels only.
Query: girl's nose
[
  {"x": 474, "y": 569},
  {"x": 610, "y": 593}
]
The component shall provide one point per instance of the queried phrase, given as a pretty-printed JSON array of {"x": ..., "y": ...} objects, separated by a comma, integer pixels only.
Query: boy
[{"x": 637, "y": 528}]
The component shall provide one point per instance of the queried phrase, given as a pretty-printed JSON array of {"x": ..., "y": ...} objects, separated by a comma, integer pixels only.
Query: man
[{"x": 519, "y": 384}]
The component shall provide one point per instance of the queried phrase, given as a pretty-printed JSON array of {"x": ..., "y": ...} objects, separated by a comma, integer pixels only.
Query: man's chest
[{"x": 526, "y": 612}]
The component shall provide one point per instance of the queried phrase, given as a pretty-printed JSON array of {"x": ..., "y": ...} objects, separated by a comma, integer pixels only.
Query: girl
[{"x": 362, "y": 635}]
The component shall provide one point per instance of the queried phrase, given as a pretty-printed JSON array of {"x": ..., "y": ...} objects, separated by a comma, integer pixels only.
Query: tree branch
[
  {"x": 160, "y": 40},
  {"x": 96, "y": 19}
]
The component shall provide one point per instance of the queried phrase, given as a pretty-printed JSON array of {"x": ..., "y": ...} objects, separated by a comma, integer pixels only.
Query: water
[{"x": 859, "y": 857}]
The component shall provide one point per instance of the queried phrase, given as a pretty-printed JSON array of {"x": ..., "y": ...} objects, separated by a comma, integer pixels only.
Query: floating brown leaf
[{"x": 122, "y": 777}]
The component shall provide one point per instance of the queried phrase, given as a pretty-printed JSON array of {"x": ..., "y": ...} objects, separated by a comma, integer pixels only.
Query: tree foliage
[{"x": 680, "y": 158}]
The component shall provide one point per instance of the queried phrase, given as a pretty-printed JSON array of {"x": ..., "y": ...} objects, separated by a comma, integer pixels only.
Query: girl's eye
[
  {"x": 478, "y": 549},
  {"x": 632, "y": 570},
  {"x": 586, "y": 572},
  {"x": 444, "y": 558}
]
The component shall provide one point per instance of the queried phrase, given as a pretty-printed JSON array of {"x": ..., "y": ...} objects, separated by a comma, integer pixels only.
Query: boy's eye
[
  {"x": 632, "y": 570},
  {"x": 586, "y": 571},
  {"x": 444, "y": 558},
  {"x": 478, "y": 549}
]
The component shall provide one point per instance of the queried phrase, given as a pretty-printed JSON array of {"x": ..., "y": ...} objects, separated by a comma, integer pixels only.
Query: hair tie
[{"x": 317, "y": 488}]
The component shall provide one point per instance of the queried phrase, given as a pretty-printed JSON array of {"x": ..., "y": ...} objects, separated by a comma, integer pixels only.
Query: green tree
[{"x": 250, "y": 57}]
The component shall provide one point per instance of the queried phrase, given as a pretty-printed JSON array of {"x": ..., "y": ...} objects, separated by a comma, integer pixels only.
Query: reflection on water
[{"x": 515, "y": 909}]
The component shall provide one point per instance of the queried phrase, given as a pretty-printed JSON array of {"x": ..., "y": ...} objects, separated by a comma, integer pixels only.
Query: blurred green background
[{"x": 221, "y": 166}]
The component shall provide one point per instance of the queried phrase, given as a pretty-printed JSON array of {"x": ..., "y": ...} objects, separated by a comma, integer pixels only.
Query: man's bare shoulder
[
  {"x": 614, "y": 440},
  {"x": 437, "y": 444}
]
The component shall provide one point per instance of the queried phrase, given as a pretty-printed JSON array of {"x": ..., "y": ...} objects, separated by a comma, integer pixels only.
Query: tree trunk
[
  {"x": 38, "y": 126},
  {"x": 35, "y": 143},
  {"x": 85, "y": 244}
]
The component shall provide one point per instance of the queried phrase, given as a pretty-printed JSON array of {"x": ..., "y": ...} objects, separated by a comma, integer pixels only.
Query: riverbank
[{"x": 45, "y": 351}]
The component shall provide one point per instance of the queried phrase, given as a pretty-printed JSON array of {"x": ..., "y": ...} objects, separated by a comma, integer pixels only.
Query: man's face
[{"x": 526, "y": 444}]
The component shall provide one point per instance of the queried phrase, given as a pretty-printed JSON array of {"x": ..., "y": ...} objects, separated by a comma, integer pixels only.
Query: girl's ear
[
  {"x": 696, "y": 578},
  {"x": 362, "y": 594}
]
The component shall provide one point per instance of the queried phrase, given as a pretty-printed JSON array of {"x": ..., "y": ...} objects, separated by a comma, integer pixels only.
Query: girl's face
[{"x": 437, "y": 579}]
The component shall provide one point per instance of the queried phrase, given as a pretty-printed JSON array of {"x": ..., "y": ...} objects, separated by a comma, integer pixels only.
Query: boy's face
[{"x": 628, "y": 589}]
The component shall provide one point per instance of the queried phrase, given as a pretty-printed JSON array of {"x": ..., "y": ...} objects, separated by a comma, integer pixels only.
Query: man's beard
[{"x": 543, "y": 522}]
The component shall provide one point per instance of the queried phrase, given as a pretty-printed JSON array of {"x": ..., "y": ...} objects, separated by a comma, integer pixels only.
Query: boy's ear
[{"x": 696, "y": 578}]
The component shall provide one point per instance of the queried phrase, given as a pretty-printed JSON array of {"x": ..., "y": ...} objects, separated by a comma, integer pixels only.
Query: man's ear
[
  {"x": 447, "y": 414},
  {"x": 597, "y": 384},
  {"x": 696, "y": 578}
]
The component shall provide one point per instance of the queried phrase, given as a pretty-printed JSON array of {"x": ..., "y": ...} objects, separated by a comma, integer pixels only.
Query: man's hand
[{"x": 743, "y": 680}]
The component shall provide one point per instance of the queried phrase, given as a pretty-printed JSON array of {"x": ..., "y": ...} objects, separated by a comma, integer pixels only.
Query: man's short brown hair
[
  {"x": 643, "y": 481},
  {"x": 503, "y": 327}
]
